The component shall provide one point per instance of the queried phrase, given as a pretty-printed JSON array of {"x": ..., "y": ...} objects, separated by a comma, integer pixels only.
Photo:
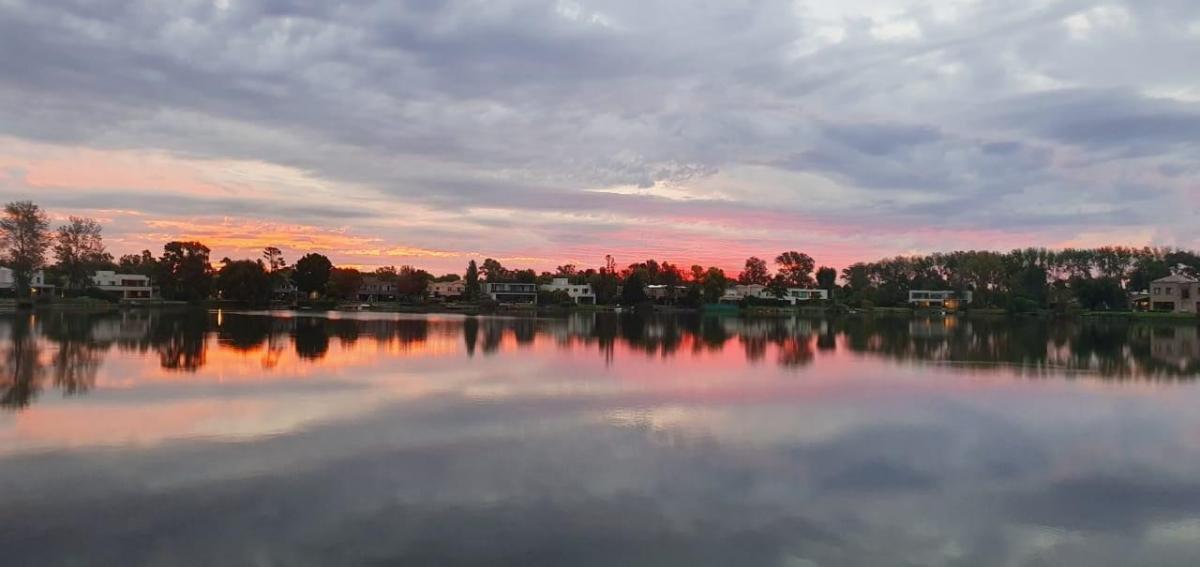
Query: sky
[{"x": 430, "y": 132}]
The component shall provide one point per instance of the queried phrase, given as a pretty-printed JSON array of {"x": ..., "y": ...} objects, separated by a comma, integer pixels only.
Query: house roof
[{"x": 1176, "y": 278}]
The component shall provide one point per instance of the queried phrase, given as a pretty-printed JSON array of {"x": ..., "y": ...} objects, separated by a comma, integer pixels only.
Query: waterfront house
[
  {"x": 792, "y": 295},
  {"x": 37, "y": 285},
  {"x": 123, "y": 286},
  {"x": 944, "y": 299},
  {"x": 659, "y": 292},
  {"x": 448, "y": 290},
  {"x": 1176, "y": 293},
  {"x": 797, "y": 295},
  {"x": 375, "y": 288},
  {"x": 579, "y": 293},
  {"x": 512, "y": 292}
]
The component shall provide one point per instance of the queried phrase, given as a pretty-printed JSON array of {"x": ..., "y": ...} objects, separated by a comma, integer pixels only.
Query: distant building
[
  {"x": 579, "y": 293},
  {"x": 38, "y": 284},
  {"x": 797, "y": 294},
  {"x": 448, "y": 290},
  {"x": 124, "y": 286},
  {"x": 512, "y": 292},
  {"x": 1175, "y": 293},
  {"x": 375, "y": 288},
  {"x": 792, "y": 295},
  {"x": 939, "y": 298},
  {"x": 665, "y": 292}
]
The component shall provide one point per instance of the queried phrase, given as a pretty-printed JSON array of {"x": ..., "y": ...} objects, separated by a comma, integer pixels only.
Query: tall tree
[
  {"x": 755, "y": 272},
  {"x": 472, "y": 281},
  {"x": 311, "y": 273},
  {"x": 796, "y": 268},
  {"x": 827, "y": 279},
  {"x": 634, "y": 290},
  {"x": 714, "y": 284},
  {"x": 344, "y": 283},
  {"x": 144, "y": 264},
  {"x": 493, "y": 271},
  {"x": 79, "y": 249},
  {"x": 184, "y": 272},
  {"x": 274, "y": 259},
  {"x": 24, "y": 237},
  {"x": 246, "y": 281}
]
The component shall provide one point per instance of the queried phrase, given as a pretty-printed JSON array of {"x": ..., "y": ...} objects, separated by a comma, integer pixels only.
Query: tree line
[{"x": 1023, "y": 279}]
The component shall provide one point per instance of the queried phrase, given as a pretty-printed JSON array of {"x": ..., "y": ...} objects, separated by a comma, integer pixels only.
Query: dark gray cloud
[{"x": 451, "y": 104}]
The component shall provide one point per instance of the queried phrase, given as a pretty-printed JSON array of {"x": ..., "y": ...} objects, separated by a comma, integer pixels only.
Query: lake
[{"x": 218, "y": 438}]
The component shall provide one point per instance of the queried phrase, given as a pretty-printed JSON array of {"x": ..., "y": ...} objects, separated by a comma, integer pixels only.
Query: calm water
[{"x": 248, "y": 439}]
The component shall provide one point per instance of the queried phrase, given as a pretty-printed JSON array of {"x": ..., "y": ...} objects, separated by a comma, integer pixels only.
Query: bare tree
[
  {"x": 79, "y": 249},
  {"x": 24, "y": 238}
]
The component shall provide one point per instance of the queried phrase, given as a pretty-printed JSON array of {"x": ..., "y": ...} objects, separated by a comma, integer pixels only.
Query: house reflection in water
[{"x": 1177, "y": 346}]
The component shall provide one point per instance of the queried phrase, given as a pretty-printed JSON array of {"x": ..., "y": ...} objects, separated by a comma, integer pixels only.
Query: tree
[
  {"x": 796, "y": 268},
  {"x": 79, "y": 249},
  {"x": 714, "y": 284},
  {"x": 246, "y": 281},
  {"x": 184, "y": 272},
  {"x": 472, "y": 281},
  {"x": 827, "y": 279},
  {"x": 412, "y": 282},
  {"x": 634, "y": 290},
  {"x": 448, "y": 278},
  {"x": 344, "y": 283},
  {"x": 274, "y": 259},
  {"x": 311, "y": 273},
  {"x": 144, "y": 264},
  {"x": 755, "y": 272},
  {"x": 24, "y": 237},
  {"x": 493, "y": 271}
]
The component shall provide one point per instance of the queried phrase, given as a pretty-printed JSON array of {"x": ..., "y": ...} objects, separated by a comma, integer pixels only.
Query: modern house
[
  {"x": 792, "y": 295},
  {"x": 659, "y": 292},
  {"x": 375, "y": 288},
  {"x": 124, "y": 286},
  {"x": 579, "y": 293},
  {"x": 1176, "y": 293},
  {"x": 447, "y": 290},
  {"x": 38, "y": 284},
  {"x": 512, "y": 292},
  {"x": 796, "y": 294},
  {"x": 945, "y": 299}
]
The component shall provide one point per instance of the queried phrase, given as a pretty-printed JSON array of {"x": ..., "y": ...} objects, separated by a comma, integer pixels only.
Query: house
[
  {"x": 1176, "y": 293},
  {"x": 375, "y": 288},
  {"x": 38, "y": 284},
  {"x": 579, "y": 293},
  {"x": 512, "y": 292},
  {"x": 660, "y": 292},
  {"x": 797, "y": 294},
  {"x": 737, "y": 293},
  {"x": 945, "y": 299},
  {"x": 792, "y": 295},
  {"x": 447, "y": 290},
  {"x": 124, "y": 286}
]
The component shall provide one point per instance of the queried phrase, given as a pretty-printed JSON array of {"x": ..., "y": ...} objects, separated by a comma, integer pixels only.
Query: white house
[
  {"x": 579, "y": 293},
  {"x": 124, "y": 286},
  {"x": 798, "y": 294},
  {"x": 792, "y": 295},
  {"x": 939, "y": 298},
  {"x": 512, "y": 292},
  {"x": 448, "y": 289},
  {"x": 37, "y": 284}
]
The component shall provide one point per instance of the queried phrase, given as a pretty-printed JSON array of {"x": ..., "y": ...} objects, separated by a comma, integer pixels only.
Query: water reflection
[
  {"x": 245, "y": 439},
  {"x": 68, "y": 349}
]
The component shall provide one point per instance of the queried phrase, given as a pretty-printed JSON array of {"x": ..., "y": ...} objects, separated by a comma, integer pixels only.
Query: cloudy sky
[{"x": 543, "y": 132}]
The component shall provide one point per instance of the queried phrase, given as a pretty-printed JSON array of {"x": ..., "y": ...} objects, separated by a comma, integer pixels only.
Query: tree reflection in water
[{"x": 68, "y": 349}]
